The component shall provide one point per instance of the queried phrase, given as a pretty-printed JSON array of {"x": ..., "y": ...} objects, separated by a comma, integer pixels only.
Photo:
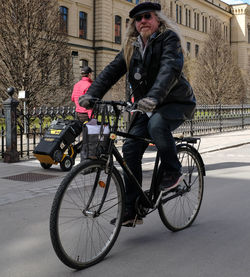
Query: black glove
[
  {"x": 85, "y": 101},
  {"x": 147, "y": 104}
]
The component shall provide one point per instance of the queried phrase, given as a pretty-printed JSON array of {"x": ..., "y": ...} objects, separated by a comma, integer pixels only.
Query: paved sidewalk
[
  {"x": 26, "y": 179},
  {"x": 216, "y": 142}
]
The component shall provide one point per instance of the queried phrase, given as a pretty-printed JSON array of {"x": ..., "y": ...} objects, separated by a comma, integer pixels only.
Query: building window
[
  {"x": 195, "y": 20},
  {"x": 118, "y": 31},
  {"x": 83, "y": 25},
  {"x": 171, "y": 9},
  {"x": 248, "y": 34},
  {"x": 188, "y": 47},
  {"x": 225, "y": 32},
  {"x": 188, "y": 18},
  {"x": 204, "y": 24},
  {"x": 180, "y": 11},
  {"x": 83, "y": 63},
  {"x": 196, "y": 50},
  {"x": 64, "y": 19},
  {"x": 64, "y": 77},
  {"x": 177, "y": 13}
]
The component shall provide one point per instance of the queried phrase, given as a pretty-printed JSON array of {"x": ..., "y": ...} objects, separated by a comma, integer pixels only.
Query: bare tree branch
[
  {"x": 215, "y": 77},
  {"x": 34, "y": 53}
]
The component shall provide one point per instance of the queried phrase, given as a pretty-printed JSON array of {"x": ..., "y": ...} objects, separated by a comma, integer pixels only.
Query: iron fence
[{"x": 208, "y": 119}]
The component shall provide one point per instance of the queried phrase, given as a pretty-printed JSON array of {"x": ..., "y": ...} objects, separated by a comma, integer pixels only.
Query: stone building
[{"x": 96, "y": 29}]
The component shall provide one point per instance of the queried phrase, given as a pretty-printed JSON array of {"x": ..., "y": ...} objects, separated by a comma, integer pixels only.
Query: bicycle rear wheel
[
  {"x": 83, "y": 206},
  {"x": 178, "y": 211}
]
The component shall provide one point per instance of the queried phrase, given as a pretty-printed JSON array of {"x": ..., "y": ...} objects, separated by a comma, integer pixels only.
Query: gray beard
[{"x": 145, "y": 35}]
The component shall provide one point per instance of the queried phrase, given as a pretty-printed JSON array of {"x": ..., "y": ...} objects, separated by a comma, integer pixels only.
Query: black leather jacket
[{"x": 162, "y": 77}]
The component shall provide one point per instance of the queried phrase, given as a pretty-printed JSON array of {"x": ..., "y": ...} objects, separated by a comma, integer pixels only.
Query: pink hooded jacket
[{"x": 80, "y": 88}]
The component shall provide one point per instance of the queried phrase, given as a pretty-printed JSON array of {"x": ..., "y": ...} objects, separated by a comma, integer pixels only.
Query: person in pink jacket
[{"x": 80, "y": 88}]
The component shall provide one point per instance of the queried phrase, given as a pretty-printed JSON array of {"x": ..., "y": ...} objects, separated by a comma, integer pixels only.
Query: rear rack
[{"x": 187, "y": 139}]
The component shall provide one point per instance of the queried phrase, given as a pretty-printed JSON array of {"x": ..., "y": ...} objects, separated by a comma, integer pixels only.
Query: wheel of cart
[
  {"x": 45, "y": 165},
  {"x": 67, "y": 163}
]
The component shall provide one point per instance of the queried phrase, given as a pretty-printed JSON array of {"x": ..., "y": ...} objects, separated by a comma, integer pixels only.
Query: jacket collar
[
  {"x": 139, "y": 43},
  {"x": 87, "y": 79}
]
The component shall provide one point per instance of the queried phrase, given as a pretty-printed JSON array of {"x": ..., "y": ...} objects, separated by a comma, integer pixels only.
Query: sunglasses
[{"x": 146, "y": 16}]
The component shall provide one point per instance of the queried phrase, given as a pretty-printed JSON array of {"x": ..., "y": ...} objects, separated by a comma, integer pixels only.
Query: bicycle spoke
[
  {"x": 82, "y": 235},
  {"x": 181, "y": 209}
]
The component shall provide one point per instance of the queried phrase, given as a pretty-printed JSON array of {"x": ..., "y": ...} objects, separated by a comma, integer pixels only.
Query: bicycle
[{"x": 92, "y": 194}]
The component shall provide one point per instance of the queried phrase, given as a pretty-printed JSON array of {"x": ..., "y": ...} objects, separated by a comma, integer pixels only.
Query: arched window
[
  {"x": 64, "y": 19},
  {"x": 83, "y": 25},
  {"x": 118, "y": 31}
]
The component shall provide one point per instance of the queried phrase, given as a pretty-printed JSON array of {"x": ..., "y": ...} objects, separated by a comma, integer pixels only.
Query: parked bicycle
[{"x": 92, "y": 194}]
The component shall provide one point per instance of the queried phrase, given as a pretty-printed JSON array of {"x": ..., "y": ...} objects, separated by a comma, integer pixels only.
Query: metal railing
[{"x": 207, "y": 120}]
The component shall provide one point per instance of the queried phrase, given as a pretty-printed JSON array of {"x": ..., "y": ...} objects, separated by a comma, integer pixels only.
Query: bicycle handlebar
[{"x": 129, "y": 107}]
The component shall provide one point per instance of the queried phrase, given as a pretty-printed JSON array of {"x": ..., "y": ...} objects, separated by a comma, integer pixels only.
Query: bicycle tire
[
  {"x": 180, "y": 212},
  {"x": 79, "y": 237}
]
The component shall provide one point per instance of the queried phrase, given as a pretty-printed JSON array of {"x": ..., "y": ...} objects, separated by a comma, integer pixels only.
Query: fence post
[
  {"x": 242, "y": 114},
  {"x": 10, "y": 107},
  {"x": 191, "y": 128},
  {"x": 220, "y": 118}
]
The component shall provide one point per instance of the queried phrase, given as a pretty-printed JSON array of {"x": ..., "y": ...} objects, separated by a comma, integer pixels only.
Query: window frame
[
  {"x": 84, "y": 29},
  {"x": 118, "y": 29},
  {"x": 196, "y": 50},
  {"x": 188, "y": 47},
  {"x": 64, "y": 18}
]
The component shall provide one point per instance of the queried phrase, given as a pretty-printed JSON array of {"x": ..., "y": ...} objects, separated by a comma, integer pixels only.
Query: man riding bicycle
[{"x": 152, "y": 55}]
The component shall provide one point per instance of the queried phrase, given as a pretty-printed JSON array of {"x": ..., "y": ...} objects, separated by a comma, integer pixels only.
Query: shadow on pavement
[{"x": 224, "y": 165}]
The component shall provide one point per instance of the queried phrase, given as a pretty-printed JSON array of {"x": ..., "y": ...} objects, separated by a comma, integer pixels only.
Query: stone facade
[{"x": 193, "y": 18}]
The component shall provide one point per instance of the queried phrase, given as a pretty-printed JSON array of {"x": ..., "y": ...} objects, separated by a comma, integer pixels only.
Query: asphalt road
[{"x": 217, "y": 244}]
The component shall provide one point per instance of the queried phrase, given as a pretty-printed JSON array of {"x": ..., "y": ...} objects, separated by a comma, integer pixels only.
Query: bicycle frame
[
  {"x": 153, "y": 196},
  {"x": 129, "y": 173}
]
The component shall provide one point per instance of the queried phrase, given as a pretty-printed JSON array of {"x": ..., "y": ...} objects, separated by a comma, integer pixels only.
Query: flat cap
[
  {"x": 144, "y": 7},
  {"x": 86, "y": 70}
]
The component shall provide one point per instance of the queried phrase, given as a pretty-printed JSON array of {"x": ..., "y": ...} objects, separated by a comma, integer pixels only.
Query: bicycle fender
[{"x": 196, "y": 153}]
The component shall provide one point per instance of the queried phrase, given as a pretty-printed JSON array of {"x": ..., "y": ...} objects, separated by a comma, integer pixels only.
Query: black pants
[{"x": 159, "y": 130}]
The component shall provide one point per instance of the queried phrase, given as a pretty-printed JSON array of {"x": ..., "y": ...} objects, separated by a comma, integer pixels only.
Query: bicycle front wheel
[
  {"x": 85, "y": 203},
  {"x": 179, "y": 208}
]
